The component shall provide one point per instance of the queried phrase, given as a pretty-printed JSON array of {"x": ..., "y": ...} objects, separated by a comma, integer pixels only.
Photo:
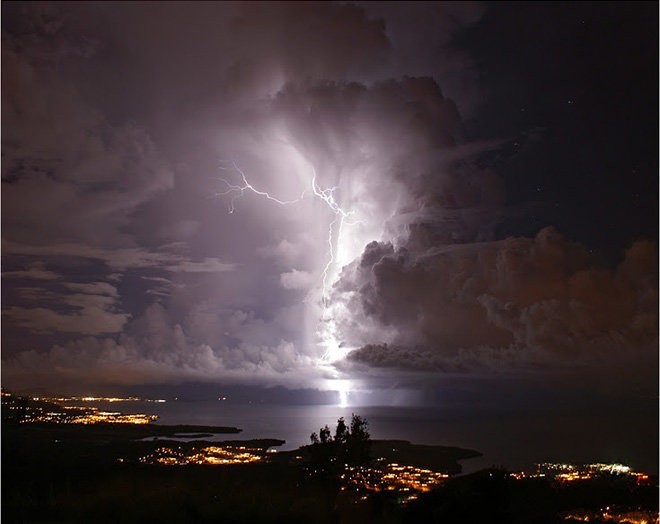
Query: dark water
[{"x": 513, "y": 439}]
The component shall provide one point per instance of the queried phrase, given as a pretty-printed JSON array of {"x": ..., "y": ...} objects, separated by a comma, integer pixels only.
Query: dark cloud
[
  {"x": 120, "y": 258},
  {"x": 427, "y": 50},
  {"x": 125, "y": 126},
  {"x": 35, "y": 270},
  {"x": 517, "y": 302},
  {"x": 56, "y": 145},
  {"x": 92, "y": 308},
  {"x": 155, "y": 349}
]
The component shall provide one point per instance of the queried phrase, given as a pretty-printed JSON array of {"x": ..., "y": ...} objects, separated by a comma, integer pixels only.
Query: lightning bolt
[
  {"x": 341, "y": 217},
  {"x": 236, "y": 191},
  {"x": 327, "y": 196}
]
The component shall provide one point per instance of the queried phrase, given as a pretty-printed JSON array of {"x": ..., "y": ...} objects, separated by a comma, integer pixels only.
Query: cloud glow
[
  {"x": 366, "y": 223},
  {"x": 341, "y": 248}
]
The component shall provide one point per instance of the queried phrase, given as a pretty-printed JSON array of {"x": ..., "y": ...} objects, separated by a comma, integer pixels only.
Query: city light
[
  {"x": 50, "y": 410},
  {"x": 69, "y": 416},
  {"x": 574, "y": 472},
  {"x": 209, "y": 455},
  {"x": 613, "y": 515},
  {"x": 95, "y": 399},
  {"x": 408, "y": 481}
]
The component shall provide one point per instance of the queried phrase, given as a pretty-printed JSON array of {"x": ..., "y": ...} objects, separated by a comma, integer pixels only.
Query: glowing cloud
[{"x": 326, "y": 328}]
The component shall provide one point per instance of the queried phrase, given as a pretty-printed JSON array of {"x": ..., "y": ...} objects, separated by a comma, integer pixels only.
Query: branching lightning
[
  {"x": 327, "y": 195},
  {"x": 237, "y": 191},
  {"x": 341, "y": 217}
]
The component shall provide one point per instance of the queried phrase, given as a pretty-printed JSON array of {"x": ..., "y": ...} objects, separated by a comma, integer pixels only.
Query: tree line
[{"x": 350, "y": 445}]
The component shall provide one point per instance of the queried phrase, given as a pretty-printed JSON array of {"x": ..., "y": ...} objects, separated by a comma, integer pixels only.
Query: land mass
[{"x": 69, "y": 473}]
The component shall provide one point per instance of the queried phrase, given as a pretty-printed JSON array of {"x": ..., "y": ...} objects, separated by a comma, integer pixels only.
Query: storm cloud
[
  {"x": 133, "y": 253},
  {"x": 517, "y": 302}
]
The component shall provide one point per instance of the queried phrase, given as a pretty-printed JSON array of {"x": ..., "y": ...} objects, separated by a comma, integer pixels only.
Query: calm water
[{"x": 508, "y": 438}]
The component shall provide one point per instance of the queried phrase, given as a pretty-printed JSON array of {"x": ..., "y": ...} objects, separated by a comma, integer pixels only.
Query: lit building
[
  {"x": 209, "y": 455},
  {"x": 573, "y": 472},
  {"x": 407, "y": 481}
]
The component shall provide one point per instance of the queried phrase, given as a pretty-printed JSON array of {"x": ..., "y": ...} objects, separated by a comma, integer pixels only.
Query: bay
[{"x": 512, "y": 439}]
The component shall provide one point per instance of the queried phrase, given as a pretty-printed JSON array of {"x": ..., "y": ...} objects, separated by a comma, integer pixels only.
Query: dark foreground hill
[{"x": 84, "y": 474}]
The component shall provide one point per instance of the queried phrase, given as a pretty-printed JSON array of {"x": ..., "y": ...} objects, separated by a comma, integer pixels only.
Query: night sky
[{"x": 363, "y": 198}]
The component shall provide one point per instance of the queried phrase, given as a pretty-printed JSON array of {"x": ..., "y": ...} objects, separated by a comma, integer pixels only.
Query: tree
[
  {"x": 358, "y": 449},
  {"x": 350, "y": 445},
  {"x": 341, "y": 433},
  {"x": 324, "y": 435},
  {"x": 358, "y": 428}
]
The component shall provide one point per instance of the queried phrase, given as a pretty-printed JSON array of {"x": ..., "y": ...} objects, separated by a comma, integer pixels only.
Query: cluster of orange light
[
  {"x": 96, "y": 399},
  {"x": 75, "y": 414},
  {"x": 393, "y": 477},
  {"x": 612, "y": 515},
  {"x": 96, "y": 417},
  {"x": 210, "y": 455},
  {"x": 572, "y": 472}
]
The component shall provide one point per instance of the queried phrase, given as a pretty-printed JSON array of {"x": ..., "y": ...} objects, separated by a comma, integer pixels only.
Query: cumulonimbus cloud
[
  {"x": 517, "y": 302},
  {"x": 112, "y": 141}
]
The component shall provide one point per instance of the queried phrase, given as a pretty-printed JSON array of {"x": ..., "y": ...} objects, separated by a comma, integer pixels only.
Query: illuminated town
[
  {"x": 209, "y": 455},
  {"x": 90, "y": 416},
  {"x": 408, "y": 481},
  {"x": 97, "y": 399},
  {"x": 404, "y": 483},
  {"x": 614, "y": 515},
  {"x": 573, "y": 472},
  {"x": 26, "y": 410}
]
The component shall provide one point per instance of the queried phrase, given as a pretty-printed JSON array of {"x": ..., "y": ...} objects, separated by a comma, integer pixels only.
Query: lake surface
[{"x": 513, "y": 438}]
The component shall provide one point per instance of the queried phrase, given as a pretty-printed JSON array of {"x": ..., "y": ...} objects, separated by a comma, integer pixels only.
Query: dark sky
[
  {"x": 355, "y": 197},
  {"x": 584, "y": 76}
]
